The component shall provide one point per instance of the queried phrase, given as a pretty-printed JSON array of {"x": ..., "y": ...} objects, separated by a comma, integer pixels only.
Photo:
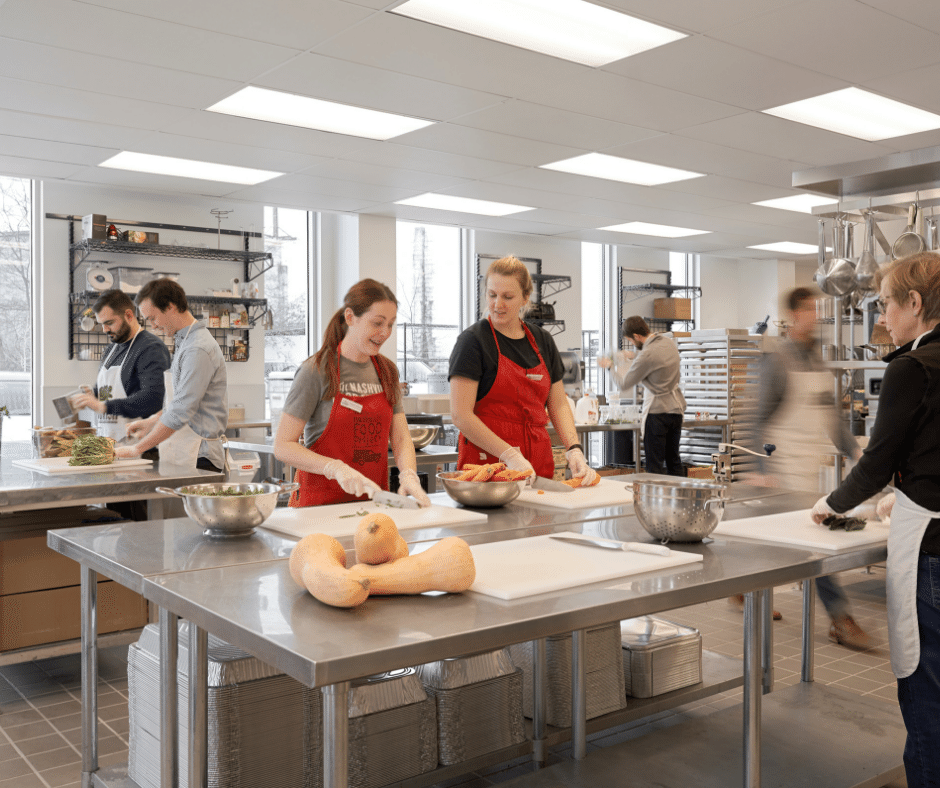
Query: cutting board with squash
[{"x": 604, "y": 493}]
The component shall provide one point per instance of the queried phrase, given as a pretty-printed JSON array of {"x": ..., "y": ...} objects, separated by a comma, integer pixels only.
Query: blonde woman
[{"x": 504, "y": 375}]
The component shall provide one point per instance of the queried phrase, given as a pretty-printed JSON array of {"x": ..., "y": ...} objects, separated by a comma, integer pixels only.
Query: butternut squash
[
  {"x": 312, "y": 545},
  {"x": 323, "y": 572},
  {"x": 377, "y": 540},
  {"x": 445, "y": 566}
]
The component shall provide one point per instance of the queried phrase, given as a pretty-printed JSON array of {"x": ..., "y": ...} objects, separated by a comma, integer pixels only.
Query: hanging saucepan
[
  {"x": 867, "y": 268},
  {"x": 836, "y": 276},
  {"x": 910, "y": 241}
]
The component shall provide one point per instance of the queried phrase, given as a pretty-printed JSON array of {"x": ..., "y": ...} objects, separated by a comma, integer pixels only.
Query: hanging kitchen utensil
[
  {"x": 867, "y": 268},
  {"x": 267, "y": 322},
  {"x": 910, "y": 241},
  {"x": 836, "y": 276},
  {"x": 932, "y": 234}
]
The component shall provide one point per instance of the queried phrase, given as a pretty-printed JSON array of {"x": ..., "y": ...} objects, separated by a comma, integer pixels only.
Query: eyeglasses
[{"x": 882, "y": 304}]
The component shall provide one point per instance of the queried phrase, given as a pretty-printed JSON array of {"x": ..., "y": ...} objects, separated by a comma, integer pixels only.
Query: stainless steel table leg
[
  {"x": 809, "y": 625},
  {"x": 336, "y": 735},
  {"x": 89, "y": 593},
  {"x": 752, "y": 688},
  {"x": 169, "y": 700},
  {"x": 767, "y": 639},
  {"x": 539, "y": 700},
  {"x": 198, "y": 707},
  {"x": 578, "y": 696}
]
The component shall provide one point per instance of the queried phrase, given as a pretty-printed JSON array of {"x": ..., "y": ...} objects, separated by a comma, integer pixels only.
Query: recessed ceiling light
[
  {"x": 787, "y": 247},
  {"x": 660, "y": 230},
  {"x": 446, "y": 202},
  {"x": 804, "y": 203},
  {"x": 188, "y": 168},
  {"x": 570, "y": 29},
  {"x": 275, "y": 106},
  {"x": 858, "y": 113},
  {"x": 616, "y": 168}
]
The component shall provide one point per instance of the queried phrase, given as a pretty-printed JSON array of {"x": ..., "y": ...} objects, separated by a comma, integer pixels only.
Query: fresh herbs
[
  {"x": 92, "y": 450},
  {"x": 222, "y": 492},
  {"x": 837, "y": 523}
]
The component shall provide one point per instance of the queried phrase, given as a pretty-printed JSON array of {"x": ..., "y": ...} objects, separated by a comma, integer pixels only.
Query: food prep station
[{"x": 240, "y": 591}]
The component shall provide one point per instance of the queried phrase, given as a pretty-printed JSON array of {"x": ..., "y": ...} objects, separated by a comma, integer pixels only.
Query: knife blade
[
  {"x": 613, "y": 544},
  {"x": 394, "y": 500},
  {"x": 549, "y": 485}
]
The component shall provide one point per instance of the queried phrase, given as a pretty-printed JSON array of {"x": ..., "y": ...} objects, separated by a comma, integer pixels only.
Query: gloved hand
[
  {"x": 885, "y": 505},
  {"x": 516, "y": 462},
  {"x": 822, "y": 510},
  {"x": 579, "y": 467},
  {"x": 410, "y": 484},
  {"x": 349, "y": 479}
]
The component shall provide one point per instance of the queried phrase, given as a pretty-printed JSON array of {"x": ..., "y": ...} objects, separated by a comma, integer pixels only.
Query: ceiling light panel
[
  {"x": 275, "y": 106},
  {"x": 787, "y": 247},
  {"x": 569, "y": 29},
  {"x": 446, "y": 202},
  {"x": 858, "y": 113},
  {"x": 188, "y": 168},
  {"x": 615, "y": 168},
  {"x": 659, "y": 230},
  {"x": 804, "y": 203}
]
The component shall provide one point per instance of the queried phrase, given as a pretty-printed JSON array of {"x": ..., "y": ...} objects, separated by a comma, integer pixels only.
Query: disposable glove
[
  {"x": 579, "y": 467},
  {"x": 885, "y": 505},
  {"x": 516, "y": 462},
  {"x": 822, "y": 510},
  {"x": 410, "y": 484},
  {"x": 349, "y": 479}
]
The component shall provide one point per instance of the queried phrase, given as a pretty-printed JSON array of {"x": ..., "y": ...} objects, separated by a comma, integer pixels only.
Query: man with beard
[{"x": 130, "y": 383}]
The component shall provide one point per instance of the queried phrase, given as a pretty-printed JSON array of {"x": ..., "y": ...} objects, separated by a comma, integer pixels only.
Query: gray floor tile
[
  {"x": 62, "y": 776},
  {"x": 13, "y": 768},
  {"x": 30, "y": 780},
  {"x": 62, "y": 709},
  {"x": 11, "y": 719},
  {"x": 29, "y": 731},
  {"x": 52, "y": 759},
  {"x": 40, "y": 744}
]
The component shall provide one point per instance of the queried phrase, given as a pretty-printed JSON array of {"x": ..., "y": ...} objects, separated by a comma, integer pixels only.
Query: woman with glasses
[{"x": 905, "y": 446}]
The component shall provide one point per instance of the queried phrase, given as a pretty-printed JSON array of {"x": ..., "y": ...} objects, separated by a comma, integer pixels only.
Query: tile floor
[{"x": 40, "y": 721}]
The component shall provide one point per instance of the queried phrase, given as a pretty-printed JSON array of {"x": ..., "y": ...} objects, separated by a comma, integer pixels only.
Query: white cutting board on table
[
  {"x": 341, "y": 519},
  {"x": 55, "y": 466},
  {"x": 539, "y": 564},
  {"x": 798, "y": 528},
  {"x": 604, "y": 493}
]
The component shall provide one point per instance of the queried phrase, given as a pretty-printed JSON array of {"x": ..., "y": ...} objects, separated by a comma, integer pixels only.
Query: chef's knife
[
  {"x": 548, "y": 485},
  {"x": 395, "y": 500},
  {"x": 613, "y": 544}
]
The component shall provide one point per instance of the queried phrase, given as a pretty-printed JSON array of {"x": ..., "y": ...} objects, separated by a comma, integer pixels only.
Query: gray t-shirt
[{"x": 305, "y": 398}]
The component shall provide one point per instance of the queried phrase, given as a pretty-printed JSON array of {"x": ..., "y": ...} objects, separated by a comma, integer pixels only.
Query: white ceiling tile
[
  {"x": 698, "y": 15},
  {"x": 501, "y": 192},
  {"x": 625, "y": 211},
  {"x": 334, "y": 79},
  {"x": 759, "y": 214},
  {"x": 917, "y": 86},
  {"x": 17, "y": 167},
  {"x": 400, "y": 178},
  {"x": 842, "y": 38},
  {"x": 286, "y": 23},
  {"x": 550, "y": 124},
  {"x": 569, "y": 218},
  {"x": 925, "y": 13},
  {"x": 336, "y": 188},
  {"x": 104, "y": 31},
  {"x": 148, "y": 181},
  {"x": 62, "y": 152},
  {"x": 518, "y": 223},
  {"x": 784, "y": 139},
  {"x": 270, "y": 194},
  {"x": 43, "y": 127},
  {"x": 926, "y": 139},
  {"x": 733, "y": 76},
  {"x": 723, "y": 188},
  {"x": 394, "y": 154},
  {"x": 374, "y": 4}
]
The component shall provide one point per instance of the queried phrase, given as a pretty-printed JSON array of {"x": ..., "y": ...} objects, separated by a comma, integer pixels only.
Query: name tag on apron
[
  {"x": 534, "y": 377},
  {"x": 348, "y": 403}
]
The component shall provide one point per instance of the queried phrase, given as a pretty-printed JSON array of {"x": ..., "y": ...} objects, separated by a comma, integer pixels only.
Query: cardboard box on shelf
[
  {"x": 672, "y": 308},
  {"x": 701, "y": 472},
  {"x": 95, "y": 226}
]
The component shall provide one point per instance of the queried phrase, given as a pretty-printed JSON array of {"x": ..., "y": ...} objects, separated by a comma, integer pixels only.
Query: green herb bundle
[
  {"x": 92, "y": 450},
  {"x": 223, "y": 492}
]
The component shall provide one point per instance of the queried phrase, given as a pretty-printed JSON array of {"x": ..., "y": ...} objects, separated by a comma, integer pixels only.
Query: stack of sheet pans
[
  {"x": 479, "y": 704},
  {"x": 659, "y": 656},
  {"x": 603, "y": 674}
]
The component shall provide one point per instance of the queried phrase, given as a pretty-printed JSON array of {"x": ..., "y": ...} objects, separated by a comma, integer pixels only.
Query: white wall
[{"x": 639, "y": 303}]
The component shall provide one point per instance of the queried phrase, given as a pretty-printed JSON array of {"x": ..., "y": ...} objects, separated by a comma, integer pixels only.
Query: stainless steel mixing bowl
[
  {"x": 422, "y": 434},
  {"x": 675, "y": 509},
  {"x": 482, "y": 495},
  {"x": 229, "y": 515}
]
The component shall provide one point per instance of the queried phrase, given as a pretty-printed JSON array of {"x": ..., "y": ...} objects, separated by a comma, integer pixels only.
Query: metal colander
[{"x": 674, "y": 509}]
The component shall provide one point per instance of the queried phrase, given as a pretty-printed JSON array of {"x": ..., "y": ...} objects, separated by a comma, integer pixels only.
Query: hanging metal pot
[
  {"x": 867, "y": 268},
  {"x": 836, "y": 276}
]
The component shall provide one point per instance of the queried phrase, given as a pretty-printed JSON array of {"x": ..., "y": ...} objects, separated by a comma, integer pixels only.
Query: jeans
[
  {"x": 919, "y": 693},
  {"x": 661, "y": 443},
  {"x": 832, "y": 596},
  {"x": 203, "y": 464}
]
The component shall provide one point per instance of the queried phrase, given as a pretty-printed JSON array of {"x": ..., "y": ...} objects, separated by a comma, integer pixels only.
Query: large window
[
  {"x": 685, "y": 270},
  {"x": 15, "y": 329},
  {"x": 428, "y": 292}
]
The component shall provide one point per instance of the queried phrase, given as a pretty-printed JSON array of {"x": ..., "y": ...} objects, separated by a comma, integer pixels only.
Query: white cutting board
[
  {"x": 55, "y": 466},
  {"x": 539, "y": 564},
  {"x": 798, "y": 528},
  {"x": 604, "y": 493},
  {"x": 341, "y": 519}
]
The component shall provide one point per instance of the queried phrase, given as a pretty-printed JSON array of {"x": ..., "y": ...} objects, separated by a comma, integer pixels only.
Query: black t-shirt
[{"x": 475, "y": 355}]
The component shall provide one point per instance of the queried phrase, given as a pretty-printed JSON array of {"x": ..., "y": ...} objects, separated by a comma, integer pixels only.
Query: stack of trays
[
  {"x": 392, "y": 729},
  {"x": 262, "y": 724},
  {"x": 659, "y": 656},
  {"x": 603, "y": 672},
  {"x": 479, "y": 704}
]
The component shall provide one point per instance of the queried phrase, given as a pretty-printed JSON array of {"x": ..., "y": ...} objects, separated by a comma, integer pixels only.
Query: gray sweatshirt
[{"x": 656, "y": 368}]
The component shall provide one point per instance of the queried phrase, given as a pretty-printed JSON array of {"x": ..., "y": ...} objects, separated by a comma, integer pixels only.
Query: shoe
[
  {"x": 738, "y": 601},
  {"x": 846, "y": 632}
]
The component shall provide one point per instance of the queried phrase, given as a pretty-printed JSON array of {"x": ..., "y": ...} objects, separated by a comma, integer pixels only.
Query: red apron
[
  {"x": 356, "y": 433},
  {"x": 514, "y": 408}
]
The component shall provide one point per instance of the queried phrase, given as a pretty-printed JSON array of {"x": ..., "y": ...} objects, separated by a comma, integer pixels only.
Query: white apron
[
  {"x": 799, "y": 430},
  {"x": 648, "y": 399},
  {"x": 110, "y": 425}
]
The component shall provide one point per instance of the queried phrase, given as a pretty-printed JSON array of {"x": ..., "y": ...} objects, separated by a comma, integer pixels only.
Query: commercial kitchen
[{"x": 666, "y": 163}]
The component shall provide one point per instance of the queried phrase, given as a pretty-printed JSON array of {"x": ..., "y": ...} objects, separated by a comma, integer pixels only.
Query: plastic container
[
  {"x": 586, "y": 411},
  {"x": 243, "y": 466},
  {"x": 130, "y": 278},
  {"x": 52, "y": 442},
  {"x": 174, "y": 275}
]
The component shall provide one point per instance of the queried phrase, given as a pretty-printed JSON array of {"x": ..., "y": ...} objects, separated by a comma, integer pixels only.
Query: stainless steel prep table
[{"x": 257, "y": 607}]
